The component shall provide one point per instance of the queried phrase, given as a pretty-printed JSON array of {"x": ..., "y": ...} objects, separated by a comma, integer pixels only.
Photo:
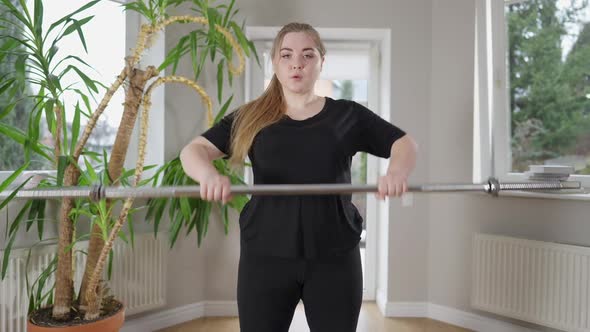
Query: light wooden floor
[{"x": 370, "y": 320}]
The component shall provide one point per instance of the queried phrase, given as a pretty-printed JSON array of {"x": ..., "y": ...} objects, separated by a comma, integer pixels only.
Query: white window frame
[
  {"x": 492, "y": 109},
  {"x": 155, "y": 142},
  {"x": 378, "y": 101}
]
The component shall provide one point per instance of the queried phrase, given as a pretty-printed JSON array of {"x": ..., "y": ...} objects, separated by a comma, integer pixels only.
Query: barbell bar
[{"x": 97, "y": 192}]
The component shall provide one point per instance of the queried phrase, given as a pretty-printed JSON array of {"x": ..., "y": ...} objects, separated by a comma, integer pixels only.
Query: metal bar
[{"x": 97, "y": 192}]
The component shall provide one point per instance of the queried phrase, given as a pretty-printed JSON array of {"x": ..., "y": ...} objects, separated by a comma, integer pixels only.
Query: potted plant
[{"x": 37, "y": 76}]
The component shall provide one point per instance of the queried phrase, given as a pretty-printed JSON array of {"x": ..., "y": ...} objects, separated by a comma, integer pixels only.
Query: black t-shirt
[{"x": 317, "y": 150}]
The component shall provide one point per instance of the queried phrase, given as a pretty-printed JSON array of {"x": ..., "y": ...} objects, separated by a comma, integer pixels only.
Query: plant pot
[{"x": 112, "y": 323}]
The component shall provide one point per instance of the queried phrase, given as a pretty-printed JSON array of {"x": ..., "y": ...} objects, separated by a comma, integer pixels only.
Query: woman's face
[{"x": 298, "y": 63}]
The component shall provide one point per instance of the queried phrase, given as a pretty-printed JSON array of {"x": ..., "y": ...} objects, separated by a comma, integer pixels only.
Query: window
[
  {"x": 534, "y": 72},
  {"x": 105, "y": 55}
]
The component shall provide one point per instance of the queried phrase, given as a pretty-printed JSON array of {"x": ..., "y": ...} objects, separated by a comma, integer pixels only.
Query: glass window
[
  {"x": 105, "y": 55},
  {"x": 548, "y": 97}
]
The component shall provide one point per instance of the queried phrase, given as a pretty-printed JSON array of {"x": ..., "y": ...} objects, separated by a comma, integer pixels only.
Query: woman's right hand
[{"x": 216, "y": 187}]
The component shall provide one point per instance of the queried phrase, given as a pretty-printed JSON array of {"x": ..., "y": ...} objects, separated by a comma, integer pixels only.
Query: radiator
[
  {"x": 539, "y": 282},
  {"x": 138, "y": 278}
]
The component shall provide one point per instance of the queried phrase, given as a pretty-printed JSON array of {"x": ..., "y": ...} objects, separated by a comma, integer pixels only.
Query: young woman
[{"x": 298, "y": 247}]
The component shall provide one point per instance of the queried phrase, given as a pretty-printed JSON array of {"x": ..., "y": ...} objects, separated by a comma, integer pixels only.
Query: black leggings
[{"x": 269, "y": 289}]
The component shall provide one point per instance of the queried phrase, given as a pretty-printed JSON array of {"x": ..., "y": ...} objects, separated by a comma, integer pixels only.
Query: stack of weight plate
[{"x": 548, "y": 172}]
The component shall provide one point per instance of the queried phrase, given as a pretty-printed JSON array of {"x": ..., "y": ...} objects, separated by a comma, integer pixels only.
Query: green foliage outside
[{"x": 549, "y": 85}]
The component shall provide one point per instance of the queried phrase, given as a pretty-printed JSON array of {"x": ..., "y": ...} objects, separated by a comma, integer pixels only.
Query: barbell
[{"x": 98, "y": 192}]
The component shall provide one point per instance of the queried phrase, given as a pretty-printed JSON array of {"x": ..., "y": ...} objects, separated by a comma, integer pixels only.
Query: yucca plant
[{"x": 217, "y": 39}]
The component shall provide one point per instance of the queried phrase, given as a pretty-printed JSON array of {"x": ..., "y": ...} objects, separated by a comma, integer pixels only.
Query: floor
[{"x": 370, "y": 320}]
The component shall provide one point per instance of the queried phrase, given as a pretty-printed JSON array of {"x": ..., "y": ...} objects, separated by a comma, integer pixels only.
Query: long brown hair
[{"x": 270, "y": 106}]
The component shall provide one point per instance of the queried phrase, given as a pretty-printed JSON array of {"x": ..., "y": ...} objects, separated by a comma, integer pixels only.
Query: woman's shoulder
[
  {"x": 342, "y": 104},
  {"x": 346, "y": 106}
]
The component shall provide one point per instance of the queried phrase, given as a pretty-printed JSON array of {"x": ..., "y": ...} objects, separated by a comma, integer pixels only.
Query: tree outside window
[{"x": 548, "y": 59}]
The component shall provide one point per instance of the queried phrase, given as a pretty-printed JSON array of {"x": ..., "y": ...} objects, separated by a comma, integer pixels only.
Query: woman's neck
[{"x": 299, "y": 101}]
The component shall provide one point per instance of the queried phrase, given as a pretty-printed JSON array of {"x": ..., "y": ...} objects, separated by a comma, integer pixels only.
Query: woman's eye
[
  {"x": 286, "y": 56},
  {"x": 308, "y": 56}
]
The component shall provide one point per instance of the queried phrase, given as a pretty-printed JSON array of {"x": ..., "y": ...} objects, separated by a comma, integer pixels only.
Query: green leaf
[
  {"x": 14, "y": 133},
  {"x": 17, "y": 13},
  {"x": 86, "y": 101},
  {"x": 31, "y": 218},
  {"x": 201, "y": 63},
  {"x": 223, "y": 109},
  {"x": 185, "y": 208},
  {"x": 193, "y": 49},
  {"x": 81, "y": 35},
  {"x": 175, "y": 54},
  {"x": 41, "y": 218},
  {"x": 91, "y": 173},
  {"x": 7, "y": 84},
  {"x": 38, "y": 17},
  {"x": 176, "y": 225},
  {"x": 219, "y": 80},
  {"x": 253, "y": 49},
  {"x": 229, "y": 9},
  {"x": 50, "y": 116},
  {"x": 6, "y": 256},
  {"x": 76, "y": 25},
  {"x": 4, "y": 112},
  {"x": 89, "y": 83},
  {"x": 8, "y": 181},
  {"x": 212, "y": 16},
  {"x": 225, "y": 216},
  {"x": 62, "y": 163},
  {"x": 15, "y": 225},
  {"x": 64, "y": 127},
  {"x": 242, "y": 40},
  {"x": 69, "y": 57},
  {"x": 19, "y": 66},
  {"x": 65, "y": 18},
  {"x": 131, "y": 231},
  {"x": 75, "y": 128}
]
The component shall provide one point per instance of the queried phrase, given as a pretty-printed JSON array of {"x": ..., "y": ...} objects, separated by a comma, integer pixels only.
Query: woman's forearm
[
  {"x": 403, "y": 156},
  {"x": 196, "y": 162}
]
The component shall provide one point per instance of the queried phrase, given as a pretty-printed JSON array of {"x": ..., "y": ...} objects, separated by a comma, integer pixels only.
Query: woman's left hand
[{"x": 392, "y": 184}]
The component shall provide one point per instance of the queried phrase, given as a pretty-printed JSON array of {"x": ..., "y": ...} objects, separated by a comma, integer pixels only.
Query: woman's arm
[
  {"x": 401, "y": 165},
  {"x": 196, "y": 159}
]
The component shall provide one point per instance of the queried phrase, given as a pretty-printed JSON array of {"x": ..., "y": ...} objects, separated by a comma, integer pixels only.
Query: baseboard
[
  {"x": 452, "y": 316},
  {"x": 472, "y": 321}
]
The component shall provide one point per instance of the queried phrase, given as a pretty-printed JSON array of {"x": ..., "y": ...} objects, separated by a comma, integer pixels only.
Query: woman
[{"x": 299, "y": 247}]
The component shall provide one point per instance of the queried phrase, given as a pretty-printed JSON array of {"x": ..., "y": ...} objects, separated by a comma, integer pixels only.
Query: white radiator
[
  {"x": 138, "y": 278},
  {"x": 540, "y": 282}
]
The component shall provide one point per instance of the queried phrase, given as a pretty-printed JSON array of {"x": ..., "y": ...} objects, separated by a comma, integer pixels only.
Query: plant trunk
[
  {"x": 138, "y": 79},
  {"x": 64, "y": 283}
]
